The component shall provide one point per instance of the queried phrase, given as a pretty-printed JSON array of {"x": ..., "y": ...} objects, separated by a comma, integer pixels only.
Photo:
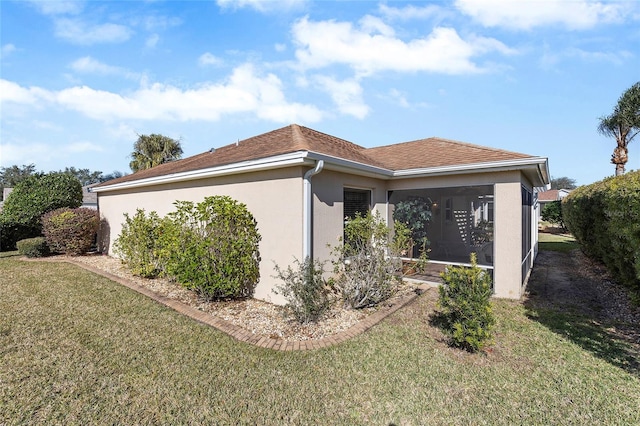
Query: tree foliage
[
  {"x": 70, "y": 231},
  {"x": 552, "y": 213},
  {"x": 623, "y": 124},
  {"x": 563, "y": 183},
  {"x": 35, "y": 196},
  {"x": 11, "y": 176},
  {"x": 465, "y": 300},
  {"x": 153, "y": 150}
]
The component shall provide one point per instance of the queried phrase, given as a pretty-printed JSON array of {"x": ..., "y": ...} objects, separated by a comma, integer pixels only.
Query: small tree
[
  {"x": 305, "y": 290},
  {"x": 415, "y": 214},
  {"x": 139, "y": 244},
  {"x": 552, "y": 212},
  {"x": 466, "y": 316},
  {"x": 563, "y": 183},
  {"x": 366, "y": 265}
]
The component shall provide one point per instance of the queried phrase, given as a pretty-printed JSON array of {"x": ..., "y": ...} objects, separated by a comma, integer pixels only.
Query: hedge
[{"x": 604, "y": 217}]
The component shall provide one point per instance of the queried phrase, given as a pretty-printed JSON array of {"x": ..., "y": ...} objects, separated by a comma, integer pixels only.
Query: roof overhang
[{"x": 535, "y": 168}]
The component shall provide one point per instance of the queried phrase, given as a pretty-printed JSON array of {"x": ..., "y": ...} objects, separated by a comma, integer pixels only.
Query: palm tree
[
  {"x": 623, "y": 124},
  {"x": 152, "y": 150}
]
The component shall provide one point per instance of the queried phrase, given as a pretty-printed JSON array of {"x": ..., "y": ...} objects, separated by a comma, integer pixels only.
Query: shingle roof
[{"x": 424, "y": 153}]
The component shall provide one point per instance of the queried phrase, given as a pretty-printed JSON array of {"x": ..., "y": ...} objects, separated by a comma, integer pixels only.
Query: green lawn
[
  {"x": 76, "y": 348},
  {"x": 556, "y": 242}
]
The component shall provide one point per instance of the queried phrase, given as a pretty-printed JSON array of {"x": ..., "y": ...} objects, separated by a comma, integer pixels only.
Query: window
[{"x": 356, "y": 201}]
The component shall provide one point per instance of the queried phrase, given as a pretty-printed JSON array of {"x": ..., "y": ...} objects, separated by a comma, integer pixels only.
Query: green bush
[
  {"x": 33, "y": 247},
  {"x": 139, "y": 243},
  {"x": 366, "y": 264},
  {"x": 464, "y": 299},
  {"x": 212, "y": 248},
  {"x": 70, "y": 231},
  {"x": 305, "y": 290},
  {"x": 552, "y": 213},
  {"x": 32, "y": 198},
  {"x": 604, "y": 217}
]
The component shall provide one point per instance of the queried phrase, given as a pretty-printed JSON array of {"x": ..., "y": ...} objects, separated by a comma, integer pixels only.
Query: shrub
[
  {"x": 305, "y": 290},
  {"x": 32, "y": 198},
  {"x": 604, "y": 217},
  {"x": 552, "y": 213},
  {"x": 140, "y": 243},
  {"x": 33, "y": 247},
  {"x": 70, "y": 231},
  {"x": 464, "y": 298},
  {"x": 367, "y": 265},
  {"x": 212, "y": 248}
]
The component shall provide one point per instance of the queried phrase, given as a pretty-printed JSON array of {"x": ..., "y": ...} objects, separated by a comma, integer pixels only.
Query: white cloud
[
  {"x": 346, "y": 94},
  {"x": 88, "y": 65},
  {"x": 23, "y": 153},
  {"x": 280, "y": 47},
  {"x": 79, "y": 147},
  {"x": 208, "y": 59},
  {"x": 153, "y": 23},
  {"x": 79, "y": 32},
  {"x": 262, "y": 5},
  {"x": 550, "y": 59},
  {"x": 410, "y": 12},
  {"x": 152, "y": 41},
  {"x": 372, "y": 47},
  {"x": 521, "y": 15},
  {"x": 7, "y": 49},
  {"x": 244, "y": 92},
  {"x": 58, "y": 7}
]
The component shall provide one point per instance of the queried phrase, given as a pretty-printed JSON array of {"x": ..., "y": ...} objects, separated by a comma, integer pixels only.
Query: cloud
[
  {"x": 152, "y": 41},
  {"x": 78, "y": 147},
  {"x": 346, "y": 94},
  {"x": 280, "y": 47},
  {"x": 373, "y": 47},
  {"x": 550, "y": 59},
  {"x": 7, "y": 49},
  {"x": 410, "y": 12},
  {"x": 24, "y": 153},
  {"x": 262, "y": 5},
  {"x": 58, "y": 7},
  {"x": 79, "y": 32},
  {"x": 208, "y": 59},
  {"x": 516, "y": 15},
  {"x": 244, "y": 92},
  {"x": 88, "y": 65}
]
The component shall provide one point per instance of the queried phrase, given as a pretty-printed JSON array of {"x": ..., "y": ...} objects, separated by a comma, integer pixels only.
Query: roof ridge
[{"x": 454, "y": 141}]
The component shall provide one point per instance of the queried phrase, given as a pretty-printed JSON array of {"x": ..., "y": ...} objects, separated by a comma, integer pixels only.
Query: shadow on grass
[
  {"x": 591, "y": 336},
  {"x": 13, "y": 253}
]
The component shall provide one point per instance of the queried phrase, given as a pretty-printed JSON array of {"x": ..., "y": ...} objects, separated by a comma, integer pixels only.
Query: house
[
  {"x": 545, "y": 197},
  {"x": 300, "y": 184}
]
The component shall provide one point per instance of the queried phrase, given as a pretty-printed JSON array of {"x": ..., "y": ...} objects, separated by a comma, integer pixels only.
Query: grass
[
  {"x": 557, "y": 242},
  {"x": 76, "y": 348}
]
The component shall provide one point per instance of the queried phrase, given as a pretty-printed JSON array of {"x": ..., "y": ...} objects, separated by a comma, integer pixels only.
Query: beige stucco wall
[
  {"x": 328, "y": 193},
  {"x": 273, "y": 197}
]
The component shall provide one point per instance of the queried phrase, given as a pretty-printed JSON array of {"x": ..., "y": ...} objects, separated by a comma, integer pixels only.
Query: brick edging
[{"x": 244, "y": 335}]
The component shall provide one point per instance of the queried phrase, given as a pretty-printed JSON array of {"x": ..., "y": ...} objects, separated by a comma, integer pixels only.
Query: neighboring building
[
  {"x": 89, "y": 199},
  {"x": 547, "y": 196},
  {"x": 300, "y": 184}
]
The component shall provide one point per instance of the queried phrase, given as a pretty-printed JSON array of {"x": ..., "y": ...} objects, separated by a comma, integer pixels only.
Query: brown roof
[
  {"x": 436, "y": 152},
  {"x": 432, "y": 152},
  {"x": 550, "y": 195}
]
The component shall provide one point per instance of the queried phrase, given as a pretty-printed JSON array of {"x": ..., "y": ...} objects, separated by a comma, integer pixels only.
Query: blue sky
[{"x": 79, "y": 80}]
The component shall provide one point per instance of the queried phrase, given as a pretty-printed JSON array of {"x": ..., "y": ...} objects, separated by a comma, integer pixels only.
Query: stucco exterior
[{"x": 273, "y": 197}]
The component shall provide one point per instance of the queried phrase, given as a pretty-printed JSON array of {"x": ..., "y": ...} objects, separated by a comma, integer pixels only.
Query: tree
[
  {"x": 623, "y": 124},
  {"x": 113, "y": 175},
  {"x": 152, "y": 150},
  {"x": 563, "y": 183},
  {"x": 11, "y": 176},
  {"x": 552, "y": 213},
  {"x": 30, "y": 199},
  {"x": 85, "y": 176}
]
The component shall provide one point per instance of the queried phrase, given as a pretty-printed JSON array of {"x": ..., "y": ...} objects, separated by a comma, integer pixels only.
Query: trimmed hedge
[
  {"x": 33, "y": 247},
  {"x": 604, "y": 217},
  {"x": 70, "y": 231}
]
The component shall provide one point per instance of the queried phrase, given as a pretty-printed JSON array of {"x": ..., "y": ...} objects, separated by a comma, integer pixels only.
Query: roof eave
[
  {"x": 538, "y": 168},
  {"x": 275, "y": 162}
]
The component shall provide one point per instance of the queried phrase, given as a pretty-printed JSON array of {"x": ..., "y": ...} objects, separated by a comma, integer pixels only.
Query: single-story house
[
  {"x": 545, "y": 197},
  {"x": 301, "y": 184}
]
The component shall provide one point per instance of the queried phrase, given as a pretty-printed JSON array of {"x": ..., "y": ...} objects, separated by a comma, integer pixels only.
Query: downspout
[{"x": 307, "y": 195}]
